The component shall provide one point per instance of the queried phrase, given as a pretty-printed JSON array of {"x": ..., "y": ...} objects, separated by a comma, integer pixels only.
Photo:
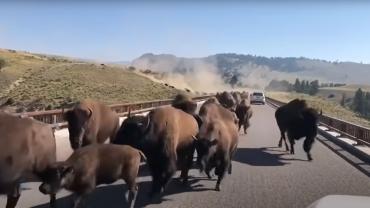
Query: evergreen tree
[
  {"x": 297, "y": 85},
  {"x": 314, "y": 87},
  {"x": 302, "y": 87},
  {"x": 358, "y": 102},
  {"x": 343, "y": 100}
]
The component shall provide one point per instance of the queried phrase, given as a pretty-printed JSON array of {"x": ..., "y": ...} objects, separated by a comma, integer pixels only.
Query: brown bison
[
  {"x": 237, "y": 97},
  {"x": 227, "y": 100},
  {"x": 92, "y": 165},
  {"x": 166, "y": 138},
  {"x": 184, "y": 103},
  {"x": 244, "y": 95},
  {"x": 91, "y": 122},
  {"x": 217, "y": 140},
  {"x": 298, "y": 121},
  {"x": 27, "y": 150},
  {"x": 244, "y": 113}
]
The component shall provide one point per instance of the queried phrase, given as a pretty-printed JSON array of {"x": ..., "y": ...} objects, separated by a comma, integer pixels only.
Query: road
[{"x": 263, "y": 176}]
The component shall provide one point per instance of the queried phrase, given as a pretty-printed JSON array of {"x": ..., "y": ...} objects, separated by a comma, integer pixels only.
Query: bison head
[
  {"x": 132, "y": 131},
  {"x": 206, "y": 145},
  {"x": 77, "y": 125},
  {"x": 56, "y": 177}
]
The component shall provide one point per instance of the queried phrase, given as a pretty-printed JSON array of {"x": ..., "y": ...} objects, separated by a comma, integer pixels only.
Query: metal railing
[
  {"x": 356, "y": 132},
  {"x": 56, "y": 120}
]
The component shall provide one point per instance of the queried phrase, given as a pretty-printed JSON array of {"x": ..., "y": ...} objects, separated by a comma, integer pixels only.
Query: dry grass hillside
[
  {"x": 336, "y": 93},
  {"x": 33, "y": 82},
  {"x": 328, "y": 107}
]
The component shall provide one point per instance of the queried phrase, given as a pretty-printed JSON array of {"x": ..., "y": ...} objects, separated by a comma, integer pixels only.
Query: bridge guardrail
[
  {"x": 56, "y": 120},
  {"x": 356, "y": 132}
]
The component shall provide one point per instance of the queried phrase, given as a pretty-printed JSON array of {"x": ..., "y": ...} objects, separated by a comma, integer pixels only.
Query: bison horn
[
  {"x": 90, "y": 112},
  {"x": 80, "y": 138},
  {"x": 195, "y": 138}
]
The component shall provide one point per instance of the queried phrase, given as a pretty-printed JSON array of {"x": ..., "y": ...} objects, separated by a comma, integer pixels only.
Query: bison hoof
[
  {"x": 217, "y": 188},
  {"x": 185, "y": 181},
  {"x": 309, "y": 158}
]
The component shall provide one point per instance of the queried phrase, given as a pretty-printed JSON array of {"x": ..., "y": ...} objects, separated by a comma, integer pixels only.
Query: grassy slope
[
  {"x": 328, "y": 107},
  {"x": 348, "y": 90},
  {"x": 36, "y": 81}
]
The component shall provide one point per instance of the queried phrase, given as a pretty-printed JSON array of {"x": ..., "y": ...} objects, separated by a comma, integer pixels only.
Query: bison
[
  {"x": 217, "y": 140},
  {"x": 184, "y": 103},
  {"x": 244, "y": 113},
  {"x": 91, "y": 122},
  {"x": 92, "y": 165},
  {"x": 27, "y": 146},
  {"x": 227, "y": 100},
  {"x": 167, "y": 139},
  {"x": 237, "y": 97},
  {"x": 244, "y": 95},
  {"x": 298, "y": 121}
]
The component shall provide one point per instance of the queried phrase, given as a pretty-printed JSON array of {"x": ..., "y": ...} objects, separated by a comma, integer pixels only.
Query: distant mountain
[{"x": 256, "y": 71}]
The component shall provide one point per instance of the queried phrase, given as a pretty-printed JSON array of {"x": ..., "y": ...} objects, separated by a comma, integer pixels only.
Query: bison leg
[
  {"x": 13, "y": 197},
  {"x": 131, "y": 193},
  {"x": 162, "y": 174},
  {"x": 240, "y": 125},
  {"x": 77, "y": 201},
  {"x": 307, "y": 144},
  {"x": 292, "y": 146},
  {"x": 220, "y": 172},
  {"x": 245, "y": 128},
  {"x": 188, "y": 162},
  {"x": 53, "y": 201}
]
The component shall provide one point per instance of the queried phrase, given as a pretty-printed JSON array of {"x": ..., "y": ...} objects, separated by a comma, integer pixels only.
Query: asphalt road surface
[{"x": 263, "y": 176}]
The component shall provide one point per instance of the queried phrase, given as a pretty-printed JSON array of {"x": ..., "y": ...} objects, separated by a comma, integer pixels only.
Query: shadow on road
[
  {"x": 112, "y": 196},
  {"x": 258, "y": 157}
]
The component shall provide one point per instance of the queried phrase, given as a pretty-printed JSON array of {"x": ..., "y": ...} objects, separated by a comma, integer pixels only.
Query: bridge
[{"x": 263, "y": 176}]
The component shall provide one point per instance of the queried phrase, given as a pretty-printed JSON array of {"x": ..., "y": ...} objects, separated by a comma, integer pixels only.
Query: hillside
[
  {"x": 256, "y": 71},
  {"x": 33, "y": 81}
]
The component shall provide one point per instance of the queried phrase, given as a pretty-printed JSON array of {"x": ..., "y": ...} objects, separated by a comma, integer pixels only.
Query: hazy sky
[{"x": 122, "y": 31}]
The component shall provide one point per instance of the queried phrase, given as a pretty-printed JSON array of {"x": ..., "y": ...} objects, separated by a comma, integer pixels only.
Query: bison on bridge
[
  {"x": 244, "y": 113},
  {"x": 237, "y": 97},
  {"x": 217, "y": 140},
  {"x": 26, "y": 146},
  {"x": 298, "y": 121},
  {"x": 185, "y": 103},
  {"x": 166, "y": 137},
  {"x": 92, "y": 165},
  {"x": 91, "y": 122},
  {"x": 227, "y": 100}
]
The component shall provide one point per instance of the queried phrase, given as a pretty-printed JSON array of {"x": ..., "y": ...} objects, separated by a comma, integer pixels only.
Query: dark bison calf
[
  {"x": 244, "y": 113},
  {"x": 298, "y": 121},
  {"x": 92, "y": 165}
]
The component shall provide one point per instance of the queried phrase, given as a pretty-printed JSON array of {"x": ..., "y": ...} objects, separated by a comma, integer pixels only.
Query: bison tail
[{"x": 142, "y": 155}]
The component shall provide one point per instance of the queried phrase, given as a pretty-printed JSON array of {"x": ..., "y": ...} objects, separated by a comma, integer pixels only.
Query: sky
[{"x": 114, "y": 31}]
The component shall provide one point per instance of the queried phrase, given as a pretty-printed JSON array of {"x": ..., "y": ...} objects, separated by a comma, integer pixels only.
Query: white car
[
  {"x": 258, "y": 97},
  {"x": 341, "y": 201}
]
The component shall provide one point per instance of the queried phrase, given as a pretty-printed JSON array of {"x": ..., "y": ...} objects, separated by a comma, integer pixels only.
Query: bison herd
[{"x": 166, "y": 138}]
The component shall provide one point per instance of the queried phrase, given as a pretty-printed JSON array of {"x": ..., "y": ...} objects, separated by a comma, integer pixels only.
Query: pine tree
[
  {"x": 343, "y": 100},
  {"x": 297, "y": 85},
  {"x": 302, "y": 87},
  {"x": 358, "y": 102},
  {"x": 314, "y": 87}
]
